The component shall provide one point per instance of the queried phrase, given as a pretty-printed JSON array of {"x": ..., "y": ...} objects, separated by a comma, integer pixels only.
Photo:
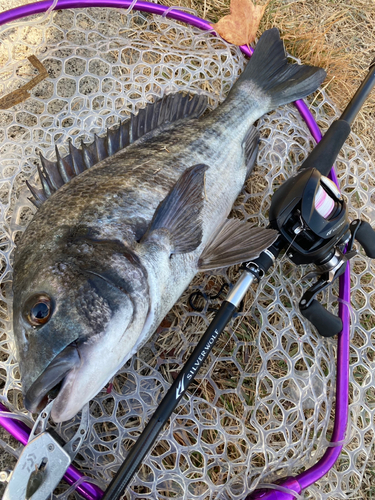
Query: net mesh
[{"x": 262, "y": 406}]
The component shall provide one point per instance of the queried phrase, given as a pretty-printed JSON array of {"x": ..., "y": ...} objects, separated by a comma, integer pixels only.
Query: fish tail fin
[{"x": 278, "y": 81}]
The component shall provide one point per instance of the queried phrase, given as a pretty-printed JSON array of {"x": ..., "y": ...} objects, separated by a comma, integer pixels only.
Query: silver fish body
[{"x": 109, "y": 253}]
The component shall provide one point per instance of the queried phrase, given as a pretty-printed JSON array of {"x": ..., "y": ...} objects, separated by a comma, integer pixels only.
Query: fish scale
[{"x": 133, "y": 229}]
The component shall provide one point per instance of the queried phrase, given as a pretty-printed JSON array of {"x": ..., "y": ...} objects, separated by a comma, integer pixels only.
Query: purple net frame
[{"x": 310, "y": 476}]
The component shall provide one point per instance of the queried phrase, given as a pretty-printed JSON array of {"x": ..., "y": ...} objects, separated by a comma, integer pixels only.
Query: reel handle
[{"x": 326, "y": 323}]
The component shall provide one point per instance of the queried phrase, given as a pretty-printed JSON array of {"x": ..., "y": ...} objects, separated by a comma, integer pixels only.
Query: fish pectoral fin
[
  {"x": 236, "y": 242},
  {"x": 178, "y": 215}
]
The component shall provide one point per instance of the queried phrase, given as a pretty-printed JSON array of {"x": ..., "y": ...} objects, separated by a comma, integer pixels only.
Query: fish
[{"x": 125, "y": 223}]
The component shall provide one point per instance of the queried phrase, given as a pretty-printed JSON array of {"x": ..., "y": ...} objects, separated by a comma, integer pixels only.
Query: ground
[{"x": 335, "y": 34}]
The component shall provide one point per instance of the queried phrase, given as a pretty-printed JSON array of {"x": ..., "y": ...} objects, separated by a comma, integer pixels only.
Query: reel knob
[
  {"x": 326, "y": 323},
  {"x": 365, "y": 235}
]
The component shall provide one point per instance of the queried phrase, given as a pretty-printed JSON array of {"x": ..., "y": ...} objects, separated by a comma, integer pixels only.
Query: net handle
[{"x": 313, "y": 474}]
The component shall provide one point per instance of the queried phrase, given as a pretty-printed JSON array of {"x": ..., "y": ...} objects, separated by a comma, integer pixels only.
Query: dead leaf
[
  {"x": 241, "y": 25},
  {"x": 22, "y": 93}
]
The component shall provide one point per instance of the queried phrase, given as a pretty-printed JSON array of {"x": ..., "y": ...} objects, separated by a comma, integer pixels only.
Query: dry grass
[{"x": 339, "y": 36}]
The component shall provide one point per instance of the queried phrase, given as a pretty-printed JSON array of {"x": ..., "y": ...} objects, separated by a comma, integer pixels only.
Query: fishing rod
[{"x": 312, "y": 219}]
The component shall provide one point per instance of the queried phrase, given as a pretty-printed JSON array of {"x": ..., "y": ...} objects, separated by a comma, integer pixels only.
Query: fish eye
[{"x": 38, "y": 310}]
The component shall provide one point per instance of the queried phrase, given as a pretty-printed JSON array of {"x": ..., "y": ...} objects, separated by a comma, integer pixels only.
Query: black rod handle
[
  {"x": 352, "y": 109},
  {"x": 143, "y": 444},
  {"x": 324, "y": 155},
  {"x": 326, "y": 151}
]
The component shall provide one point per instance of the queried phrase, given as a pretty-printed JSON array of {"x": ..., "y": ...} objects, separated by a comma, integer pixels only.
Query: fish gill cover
[{"x": 262, "y": 407}]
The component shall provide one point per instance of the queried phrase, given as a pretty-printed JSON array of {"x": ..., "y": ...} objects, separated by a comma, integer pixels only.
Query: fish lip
[{"x": 55, "y": 373}]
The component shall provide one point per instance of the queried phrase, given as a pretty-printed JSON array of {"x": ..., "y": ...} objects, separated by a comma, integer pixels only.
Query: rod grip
[
  {"x": 324, "y": 155},
  {"x": 326, "y": 323}
]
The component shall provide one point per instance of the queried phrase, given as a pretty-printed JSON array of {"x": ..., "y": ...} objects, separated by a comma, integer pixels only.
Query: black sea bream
[{"x": 112, "y": 247}]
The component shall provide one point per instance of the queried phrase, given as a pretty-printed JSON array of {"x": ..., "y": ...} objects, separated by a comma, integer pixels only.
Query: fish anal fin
[
  {"x": 170, "y": 108},
  {"x": 236, "y": 242},
  {"x": 178, "y": 216}
]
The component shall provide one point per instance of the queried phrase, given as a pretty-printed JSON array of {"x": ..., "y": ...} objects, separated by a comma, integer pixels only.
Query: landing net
[{"x": 262, "y": 408}]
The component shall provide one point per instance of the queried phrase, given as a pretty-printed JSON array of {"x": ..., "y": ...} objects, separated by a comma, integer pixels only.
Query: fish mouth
[{"x": 49, "y": 383}]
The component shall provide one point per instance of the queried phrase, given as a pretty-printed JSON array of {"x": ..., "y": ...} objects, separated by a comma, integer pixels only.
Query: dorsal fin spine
[
  {"x": 44, "y": 182},
  {"x": 77, "y": 159},
  {"x": 155, "y": 116},
  {"x": 49, "y": 170},
  {"x": 62, "y": 166},
  {"x": 130, "y": 129},
  {"x": 112, "y": 140},
  {"x": 38, "y": 194},
  {"x": 86, "y": 155},
  {"x": 101, "y": 149},
  {"x": 148, "y": 117},
  {"x": 141, "y": 123}
]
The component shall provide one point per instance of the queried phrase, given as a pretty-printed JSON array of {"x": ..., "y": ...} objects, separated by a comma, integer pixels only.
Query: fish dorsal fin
[{"x": 54, "y": 174}]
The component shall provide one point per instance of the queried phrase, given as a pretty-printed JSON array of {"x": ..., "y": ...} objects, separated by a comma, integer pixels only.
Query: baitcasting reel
[{"x": 311, "y": 216}]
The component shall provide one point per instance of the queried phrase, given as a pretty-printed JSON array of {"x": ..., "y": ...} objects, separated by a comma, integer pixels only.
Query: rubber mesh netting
[{"x": 262, "y": 407}]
